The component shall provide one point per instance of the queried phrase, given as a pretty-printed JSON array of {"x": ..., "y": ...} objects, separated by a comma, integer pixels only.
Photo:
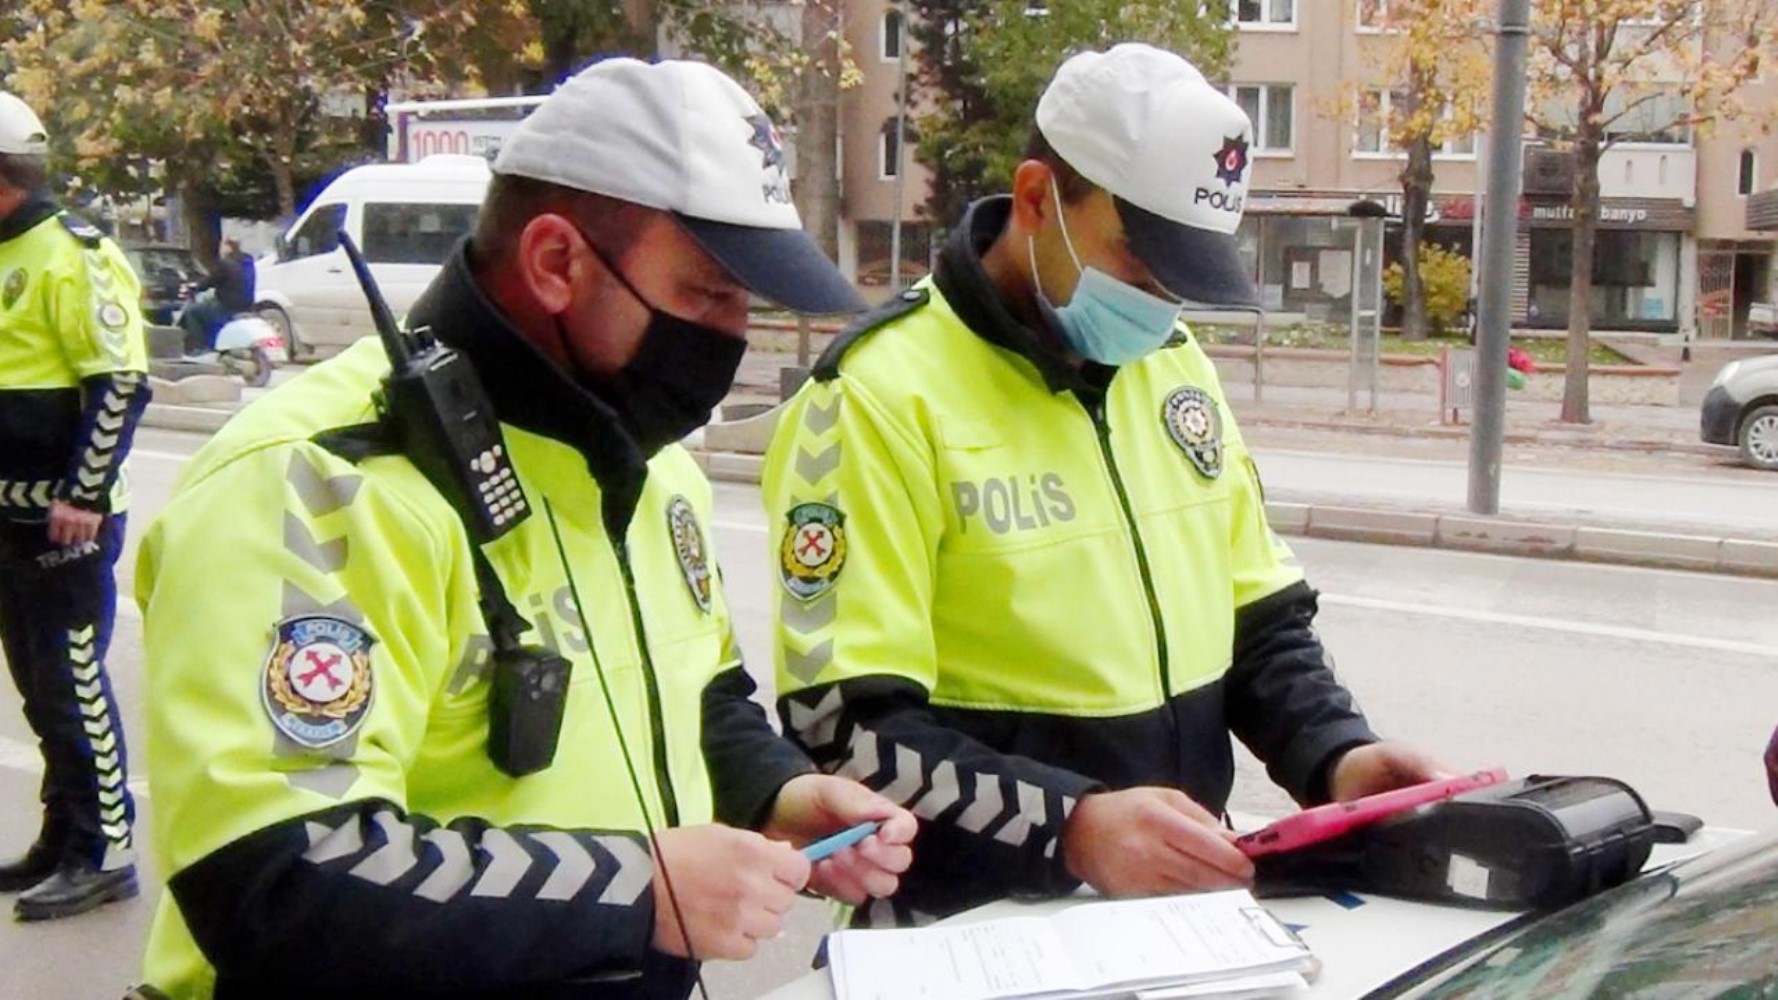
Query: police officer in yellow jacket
[
  {"x": 72, "y": 385},
  {"x": 1028, "y": 587},
  {"x": 332, "y": 802}
]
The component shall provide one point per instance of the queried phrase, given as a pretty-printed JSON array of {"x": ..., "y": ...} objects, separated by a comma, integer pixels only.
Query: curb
[
  {"x": 1460, "y": 532},
  {"x": 198, "y": 419},
  {"x": 1555, "y": 439}
]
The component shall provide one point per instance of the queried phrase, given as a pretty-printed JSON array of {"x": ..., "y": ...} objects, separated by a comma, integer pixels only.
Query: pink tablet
[{"x": 1312, "y": 826}]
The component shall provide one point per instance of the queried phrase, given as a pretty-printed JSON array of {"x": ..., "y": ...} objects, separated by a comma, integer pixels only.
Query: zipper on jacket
[
  {"x": 657, "y": 730},
  {"x": 1103, "y": 428}
]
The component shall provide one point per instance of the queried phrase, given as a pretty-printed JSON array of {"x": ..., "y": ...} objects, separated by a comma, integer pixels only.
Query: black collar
[
  {"x": 529, "y": 390},
  {"x": 965, "y": 284},
  {"x": 26, "y": 217}
]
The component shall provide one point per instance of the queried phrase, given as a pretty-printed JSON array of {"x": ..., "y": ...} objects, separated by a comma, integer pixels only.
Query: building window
[
  {"x": 890, "y": 36},
  {"x": 1373, "y": 15},
  {"x": 1644, "y": 119},
  {"x": 1635, "y": 276},
  {"x": 888, "y": 163},
  {"x": 1748, "y": 177},
  {"x": 1275, "y": 13},
  {"x": 1372, "y": 132},
  {"x": 1271, "y": 108}
]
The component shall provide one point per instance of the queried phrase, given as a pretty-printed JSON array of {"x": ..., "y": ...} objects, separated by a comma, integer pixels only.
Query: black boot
[
  {"x": 75, "y": 889},
  {"x": 30, "y": 868}
]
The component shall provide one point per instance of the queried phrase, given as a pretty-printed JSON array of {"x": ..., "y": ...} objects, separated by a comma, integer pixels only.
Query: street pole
[
  {"x": 1475, "y": 222},
  {"x": 901, "y": 134},
  {"x": 1499, "y": 233}
]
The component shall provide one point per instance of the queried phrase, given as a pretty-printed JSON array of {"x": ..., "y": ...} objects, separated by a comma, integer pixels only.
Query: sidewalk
[{"x": 1422, "y": 501}]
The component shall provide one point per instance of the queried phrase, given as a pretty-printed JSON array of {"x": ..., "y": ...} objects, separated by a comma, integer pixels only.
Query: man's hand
[
  {"x": 812, "y": 806},
  {"x": 733, "y": 888},
  {"x": 1150, "y": 841},
  {"x": 1382, "y": 767},
  {"x": 70, "y": 525}
]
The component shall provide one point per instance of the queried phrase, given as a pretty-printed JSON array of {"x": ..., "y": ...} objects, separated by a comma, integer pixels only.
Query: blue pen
[{"x": 821, "y": 849}]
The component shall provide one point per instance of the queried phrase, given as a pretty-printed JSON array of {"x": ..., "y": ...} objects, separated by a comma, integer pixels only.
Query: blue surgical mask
[{"x": 1106, "y": 320}]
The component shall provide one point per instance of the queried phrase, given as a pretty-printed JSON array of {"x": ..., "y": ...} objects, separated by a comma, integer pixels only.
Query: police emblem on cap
[
  {"x": 1195, "y": 425},
  {"x": 1231, "y": 160},
  {"x": 14, "y": 287},
  {"x": 317, "y": 686},
  {"x": 688, "y": 545},
  {"x": 765, "y": 138},
  {"x": 814, "y": 550}
]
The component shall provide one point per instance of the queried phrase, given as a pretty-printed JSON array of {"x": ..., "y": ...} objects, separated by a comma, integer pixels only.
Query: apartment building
[{"x": 1676, "y": 253}]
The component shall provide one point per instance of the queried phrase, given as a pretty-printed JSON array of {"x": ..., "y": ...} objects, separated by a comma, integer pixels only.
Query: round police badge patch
[
  {"x": 317, "y": 686},
  {"x": 14, "y": 287},
  {"x": 814, "y": 549},
  {"x": 1195, "y": 425},
  {"x": 688, "y": 545},
  {"x": 112, "y": 316}
]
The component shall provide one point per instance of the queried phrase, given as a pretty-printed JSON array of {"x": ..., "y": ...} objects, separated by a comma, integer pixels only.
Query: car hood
[
  {"x": 1698, "y": 928},
  {"x": 1761, "y": 363}
]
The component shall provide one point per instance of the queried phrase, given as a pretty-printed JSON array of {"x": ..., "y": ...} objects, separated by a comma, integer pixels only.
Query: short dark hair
[
  {"x": 1073, "y": 186},
  {"x": 612, "y": 224},
  {"x": 24, "y": 171}
]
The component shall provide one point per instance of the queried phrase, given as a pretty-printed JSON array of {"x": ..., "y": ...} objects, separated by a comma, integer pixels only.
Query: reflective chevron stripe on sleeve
[
  {"x": 1000, "y": 807},
  {"x": 416, "y": 856},
  {"x": 108, "y": 425},
  {"x": 318, "y": 544},
  {"x": 810, "y": 604},
  {"x": 24, "y": 494}
]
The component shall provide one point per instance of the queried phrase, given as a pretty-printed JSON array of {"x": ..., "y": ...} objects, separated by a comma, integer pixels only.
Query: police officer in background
[
  {"x": 333, "y": 807},
  {"x": 73, "y": 384},
  {"x": 1028, "y": 588}
]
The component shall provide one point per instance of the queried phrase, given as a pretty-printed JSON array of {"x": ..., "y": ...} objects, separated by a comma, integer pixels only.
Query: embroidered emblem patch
[
  {"x": 317, "y": 687},
  {"x": 814, "y": 549},
  {"x": 112, "y": 316},
  {"x": 1195, "y": 425},
  {"x": 14, "y": 287},
  {"x": 688, "y": 545},
  {"x": 1231, "y": 160}
]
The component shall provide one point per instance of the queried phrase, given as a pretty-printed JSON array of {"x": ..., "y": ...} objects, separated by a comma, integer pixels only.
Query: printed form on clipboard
[{"x": 1173, "y": 946}]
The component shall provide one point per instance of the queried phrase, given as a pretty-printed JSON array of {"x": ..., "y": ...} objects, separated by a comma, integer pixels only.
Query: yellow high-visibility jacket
[
  {"x": 73, "y": 364},
  {"x": 1007, "y": 582},
  {"x": 319, "y": 677}
]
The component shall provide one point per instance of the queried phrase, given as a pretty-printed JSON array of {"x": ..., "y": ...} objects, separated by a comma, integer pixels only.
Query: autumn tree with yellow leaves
[
  {"x": 1426, "y": 85},
  {"x": 184, "y": 85},
  {"x": 1610, "y": 71}
]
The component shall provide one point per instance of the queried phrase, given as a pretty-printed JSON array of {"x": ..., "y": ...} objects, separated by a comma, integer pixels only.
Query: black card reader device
[{"x": 1535, "y": 842}]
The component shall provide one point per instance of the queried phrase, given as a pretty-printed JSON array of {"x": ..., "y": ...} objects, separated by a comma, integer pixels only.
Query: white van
[{"x": 405, "y": 217}]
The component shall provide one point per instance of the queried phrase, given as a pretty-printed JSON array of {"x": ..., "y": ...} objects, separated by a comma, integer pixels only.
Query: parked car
[
  {"x": 1741, "y": 409},
  {"x": 405, "y": 217},
  {"x": 167, "y": 274},
  {"x": 1702, "y": 928},
  {"x": 1762, "y": 319}
]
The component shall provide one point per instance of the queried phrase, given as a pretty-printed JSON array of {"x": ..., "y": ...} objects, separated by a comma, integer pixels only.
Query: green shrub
[{"x": 1446, "y": 276}]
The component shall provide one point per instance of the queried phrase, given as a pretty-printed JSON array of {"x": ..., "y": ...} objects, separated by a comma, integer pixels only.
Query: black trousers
[{"x": 56, "y": 608}]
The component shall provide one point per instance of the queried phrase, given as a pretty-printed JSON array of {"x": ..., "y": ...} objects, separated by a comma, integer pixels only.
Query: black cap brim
[
  {"x": 1198, "y": 265},
  {"x": 783, "y": 266}
]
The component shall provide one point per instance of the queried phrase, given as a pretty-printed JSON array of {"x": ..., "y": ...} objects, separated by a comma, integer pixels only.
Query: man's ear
[
  {"x": 547, "y": 263},
  {"x": 1032, "y": 200}
]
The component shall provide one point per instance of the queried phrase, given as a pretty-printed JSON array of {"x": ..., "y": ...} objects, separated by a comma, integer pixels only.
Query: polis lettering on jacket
[{"x": 1015, "y": 503}]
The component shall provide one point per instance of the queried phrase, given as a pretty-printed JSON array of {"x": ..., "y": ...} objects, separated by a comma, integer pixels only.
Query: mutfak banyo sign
[{"x": 1620, "y": 213}]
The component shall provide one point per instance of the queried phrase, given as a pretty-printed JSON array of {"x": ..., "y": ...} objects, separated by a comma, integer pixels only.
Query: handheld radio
[{"x": 442, "y": 420}]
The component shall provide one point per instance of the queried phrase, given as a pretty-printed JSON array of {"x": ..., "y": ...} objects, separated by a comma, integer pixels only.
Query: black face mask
[{"x": 681, "y": 372}]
